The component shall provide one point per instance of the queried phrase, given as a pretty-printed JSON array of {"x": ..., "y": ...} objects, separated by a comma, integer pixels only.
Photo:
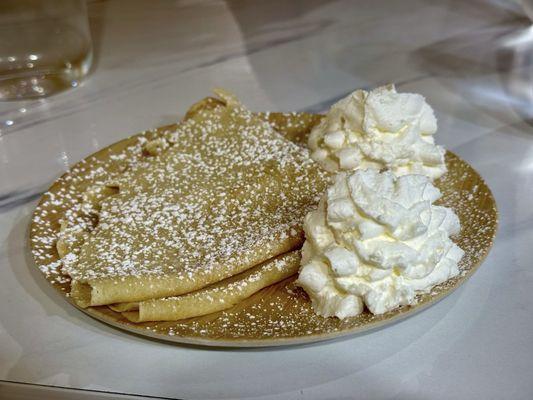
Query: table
[{"x": 153, "y": 59}]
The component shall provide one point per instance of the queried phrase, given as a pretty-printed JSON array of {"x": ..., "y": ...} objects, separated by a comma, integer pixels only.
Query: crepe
[
  {"x": 293, "y": 126},
  {"x": 226, "y": 293},
  {"x": 217, "y": 297},
  {"x": 220, "y": 195}
]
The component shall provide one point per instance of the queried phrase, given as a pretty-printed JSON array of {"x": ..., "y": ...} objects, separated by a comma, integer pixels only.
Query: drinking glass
[{"x": 45, "y": 47}]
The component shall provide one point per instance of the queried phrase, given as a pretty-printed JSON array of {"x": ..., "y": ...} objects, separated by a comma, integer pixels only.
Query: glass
[{"x": 45, "y": 47}]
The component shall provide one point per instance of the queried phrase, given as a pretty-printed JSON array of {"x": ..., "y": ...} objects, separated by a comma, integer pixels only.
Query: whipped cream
[
  {"x": 380, "y": 129},
  {"x": 376, "y": 240}
]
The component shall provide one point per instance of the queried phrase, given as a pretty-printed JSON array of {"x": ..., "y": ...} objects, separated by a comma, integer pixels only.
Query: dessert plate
[{"x": 280, "y": 314}]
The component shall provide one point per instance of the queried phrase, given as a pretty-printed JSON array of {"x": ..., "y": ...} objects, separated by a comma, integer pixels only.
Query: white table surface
[{"x": 471, "y": 59}]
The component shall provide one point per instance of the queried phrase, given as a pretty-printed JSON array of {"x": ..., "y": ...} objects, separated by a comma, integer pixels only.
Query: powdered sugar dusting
[
  {"x": 220, "y": 192},
  {"x": 226, "y": 188},
  {"x": 279, "y": 311}
]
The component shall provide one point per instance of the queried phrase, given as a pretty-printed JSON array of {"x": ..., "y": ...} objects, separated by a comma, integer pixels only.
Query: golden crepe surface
[
  {"x": 219, "y": 296},
  {"x": 281, "y": 313},
  {"x": 224, "y": 193},
  {"x": 228, "y": 292}
]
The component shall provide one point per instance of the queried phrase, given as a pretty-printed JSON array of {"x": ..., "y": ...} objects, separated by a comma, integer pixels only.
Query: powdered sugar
[{"x": 279, "y": 311}]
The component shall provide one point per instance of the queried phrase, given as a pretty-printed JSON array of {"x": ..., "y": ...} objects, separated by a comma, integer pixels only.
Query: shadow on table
[{"x": 490, "y": 66}]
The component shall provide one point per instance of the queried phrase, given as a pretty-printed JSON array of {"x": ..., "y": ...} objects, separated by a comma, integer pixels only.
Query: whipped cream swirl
[
  {"x": 379, "y": 129},
  {"x": 376, "y": 240}
]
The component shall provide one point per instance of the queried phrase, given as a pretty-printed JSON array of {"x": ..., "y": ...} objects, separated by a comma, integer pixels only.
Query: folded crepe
[
  {"x": 217, "y": 297},
  {"x": 221, "y": 194}
]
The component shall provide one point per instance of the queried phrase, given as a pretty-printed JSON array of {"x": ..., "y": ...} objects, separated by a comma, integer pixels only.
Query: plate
[{"x": 280, "y": 314}]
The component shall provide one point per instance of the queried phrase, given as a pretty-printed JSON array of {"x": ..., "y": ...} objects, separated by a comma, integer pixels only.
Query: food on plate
[
  {"x": 220, "y": 194},
  {"x": 377, "y": 240},
  {"x": 380, "y": 129}
]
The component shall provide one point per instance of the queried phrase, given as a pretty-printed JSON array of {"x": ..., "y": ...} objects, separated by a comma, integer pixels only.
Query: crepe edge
[{"x": 220, "y": 296}]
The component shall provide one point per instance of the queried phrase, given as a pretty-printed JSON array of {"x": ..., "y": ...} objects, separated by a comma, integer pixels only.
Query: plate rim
[{"x": 406, "y": 312}]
